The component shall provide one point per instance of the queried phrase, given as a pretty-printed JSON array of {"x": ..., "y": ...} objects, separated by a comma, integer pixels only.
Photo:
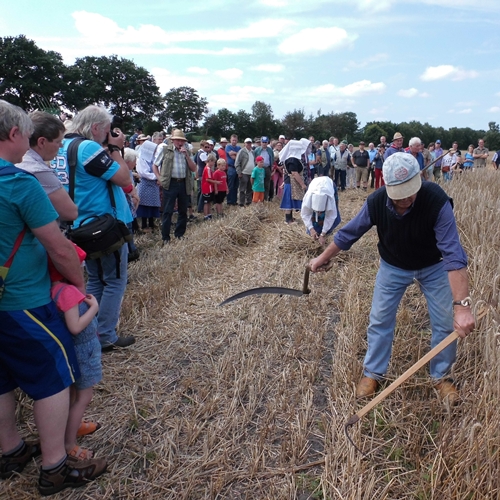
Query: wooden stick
[{"x": 421, "y": 362}]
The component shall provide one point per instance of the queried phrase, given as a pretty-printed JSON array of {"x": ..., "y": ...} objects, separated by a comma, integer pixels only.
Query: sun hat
[
  {"x": 178, "y": 134},
  {"x": 223, "y": 139},
  {"x": 248, "y": 140},
  {"x": 401, "y": 173},
  {"x": 397, "y": 136},
  {"x": 142, "y": 137}
]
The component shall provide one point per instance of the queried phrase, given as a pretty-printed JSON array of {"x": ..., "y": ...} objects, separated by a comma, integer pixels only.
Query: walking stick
[{"x": 421, "y": 362}]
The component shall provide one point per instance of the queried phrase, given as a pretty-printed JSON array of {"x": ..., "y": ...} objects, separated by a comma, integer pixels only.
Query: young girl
[
  {"x": 208, "y": 186},
  {"x": 79, "y": 312},
  {"x": 220, "y": 189}
]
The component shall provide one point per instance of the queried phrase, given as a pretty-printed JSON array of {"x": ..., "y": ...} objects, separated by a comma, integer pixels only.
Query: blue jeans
[
  {"x": 110, "y": 296},
  {"x": 131, "y": 243},
  {"x": 232, "y": 186},
  {"x": 175, "y": 192},
  {"x": 390, "y": 286}
]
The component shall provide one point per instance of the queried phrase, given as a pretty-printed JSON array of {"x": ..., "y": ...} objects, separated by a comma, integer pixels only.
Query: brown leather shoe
[
  {"x": 366, "y": 387},
  {"x": 447, "y": 392}
]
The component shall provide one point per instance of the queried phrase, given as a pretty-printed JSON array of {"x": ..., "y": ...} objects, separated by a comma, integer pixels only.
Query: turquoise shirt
[
  {"x": 94, "y": 167},
  {"x": 258, "y": 175},
  {"x": 24, "y": 202}
]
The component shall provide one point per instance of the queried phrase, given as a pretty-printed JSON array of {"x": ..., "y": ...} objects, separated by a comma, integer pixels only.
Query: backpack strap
[{"x": 72, "y": 155}]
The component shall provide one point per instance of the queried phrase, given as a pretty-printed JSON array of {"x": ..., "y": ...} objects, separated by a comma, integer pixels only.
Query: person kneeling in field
[
  {"x": 320, "y": 209},
  {"x": 418, "y": 242}
]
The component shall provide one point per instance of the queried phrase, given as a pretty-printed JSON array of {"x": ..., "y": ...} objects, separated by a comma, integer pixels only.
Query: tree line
[{"x": 33, "y": 78}]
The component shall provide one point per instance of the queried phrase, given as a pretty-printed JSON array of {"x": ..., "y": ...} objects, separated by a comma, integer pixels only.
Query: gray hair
[
  {"x": 325, "y": 143},
  {"x": 83, "y": 121},
  {"x": 414, "y": 141},
  {"x": 13, "y": 116},
  {"x": 158, "y": 134},
  {"x": 129, "y": 154}
]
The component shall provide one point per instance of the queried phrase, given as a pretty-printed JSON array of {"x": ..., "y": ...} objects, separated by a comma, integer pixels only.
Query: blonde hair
[
  {"x": 211, "y": 157},
  {"x": 221, "y": 161}
]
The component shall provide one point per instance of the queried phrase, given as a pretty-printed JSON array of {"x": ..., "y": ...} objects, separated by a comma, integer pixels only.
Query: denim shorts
[
  {"x": 88, "y": 354},
  {"x": 37, "y": 352}
]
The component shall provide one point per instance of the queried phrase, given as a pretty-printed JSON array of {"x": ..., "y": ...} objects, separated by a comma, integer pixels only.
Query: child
[
  {"x": 220, "y": 189},
  {"x": 79, "y": 315},
  {"x": 258, "y": 174},
  {"x": 208, "y": 185}
]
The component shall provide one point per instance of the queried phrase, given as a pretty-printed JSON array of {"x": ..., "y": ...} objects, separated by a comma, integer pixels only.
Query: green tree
[
  {"x": 243, "y": 125},
  {"x": 184, "y": 108},
  {"x": 294, "y": 124},
  {"x": 118, "y": 84},
  {"x": 372, "y": 133},
  {"x": 492, "y": 136},
  {"x": 263, "y": 119},
  {"x": 30, "y": 77}
]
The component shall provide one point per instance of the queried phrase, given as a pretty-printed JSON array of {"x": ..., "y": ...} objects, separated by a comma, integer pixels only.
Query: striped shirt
[{"x": 179, "y": 168}]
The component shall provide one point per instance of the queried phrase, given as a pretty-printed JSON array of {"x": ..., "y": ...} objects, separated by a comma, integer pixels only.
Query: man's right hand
[{"x": 119, "y": 140}]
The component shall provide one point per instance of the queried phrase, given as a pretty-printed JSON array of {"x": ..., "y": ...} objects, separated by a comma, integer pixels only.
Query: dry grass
[{"x": 249, "y": 401}]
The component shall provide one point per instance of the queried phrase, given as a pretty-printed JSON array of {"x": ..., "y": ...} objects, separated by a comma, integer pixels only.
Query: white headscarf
[{"x": 294, "y": 149}]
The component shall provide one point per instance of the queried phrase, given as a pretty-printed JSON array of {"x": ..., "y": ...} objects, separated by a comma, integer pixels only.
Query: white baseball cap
[{"x": 402, "y": 178}]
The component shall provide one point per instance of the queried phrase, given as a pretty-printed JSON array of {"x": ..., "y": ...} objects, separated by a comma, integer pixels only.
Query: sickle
[
  {"x": 421, "y": 362},
  {"x": 274, "y": 289}
]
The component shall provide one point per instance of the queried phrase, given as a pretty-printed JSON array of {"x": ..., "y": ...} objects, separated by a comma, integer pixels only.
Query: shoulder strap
[
  {"x": 72, "y": 155},
  {"x": 10, "y": 170}
]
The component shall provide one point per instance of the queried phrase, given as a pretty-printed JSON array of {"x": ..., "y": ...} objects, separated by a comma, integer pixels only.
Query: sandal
[
  {"x": 80, "y": 453},
  {"x": 87, "y": 428},
  {"x": 16, "y": 462}
]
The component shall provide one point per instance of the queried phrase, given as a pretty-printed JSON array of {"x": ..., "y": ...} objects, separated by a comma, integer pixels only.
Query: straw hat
[
  {"x": 178, "y": 134},
  {"x": 397, "y": 136}
]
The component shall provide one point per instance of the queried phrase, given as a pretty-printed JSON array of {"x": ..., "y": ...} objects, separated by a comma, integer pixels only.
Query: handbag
[{"x": 104, "y": 234}]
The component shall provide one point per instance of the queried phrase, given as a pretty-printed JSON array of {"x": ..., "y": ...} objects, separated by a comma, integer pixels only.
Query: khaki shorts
[{"x": 361, "y": 174}]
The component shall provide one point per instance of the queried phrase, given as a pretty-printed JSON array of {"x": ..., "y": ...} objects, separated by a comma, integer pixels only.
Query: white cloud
[
  {"x": 446, "y": 71},
  {"x": 363, "y": 87},
  {"x": 494, "y": 109},
  {"x": 465, "y": 111},
  {"x": 237, "y": 96},
  {"x": 269, "y": 68},
  {"x": 369, "y": 61},
  {"x": 167, "y": 80},
  {"x": 314, "y": 40},
  {"x": 413, "y": 92},
  {"x": 229, "y": 74},
  {"x": 198, "y": 71},
  {"x": 100, "y": 30}
]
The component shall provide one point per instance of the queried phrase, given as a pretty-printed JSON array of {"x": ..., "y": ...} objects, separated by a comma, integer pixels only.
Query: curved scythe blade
[{"x": 264, "y": 289}]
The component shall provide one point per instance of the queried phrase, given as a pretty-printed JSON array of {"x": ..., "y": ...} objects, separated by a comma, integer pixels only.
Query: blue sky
[{"x": 435, "y": 61}]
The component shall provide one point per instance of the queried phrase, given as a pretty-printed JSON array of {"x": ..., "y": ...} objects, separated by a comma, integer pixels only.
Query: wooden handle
[
  {"x": 421, "y": 362},
  {"x": 305, "y": 286}
]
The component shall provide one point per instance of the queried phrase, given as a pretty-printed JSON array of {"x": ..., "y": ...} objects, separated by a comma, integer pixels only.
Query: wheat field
[{"x": 249, "y": 400}]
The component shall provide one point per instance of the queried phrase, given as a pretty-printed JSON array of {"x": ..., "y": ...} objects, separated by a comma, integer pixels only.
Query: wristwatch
[{"x": 464, "y": 303}]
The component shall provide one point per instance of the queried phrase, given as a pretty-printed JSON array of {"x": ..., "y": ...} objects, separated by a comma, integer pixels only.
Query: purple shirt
[
  {"x": 437, "y": 153},
  {"x": 445, "y": 229}
]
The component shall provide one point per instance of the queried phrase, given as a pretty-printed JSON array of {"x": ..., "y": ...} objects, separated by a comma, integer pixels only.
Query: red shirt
[
  {"x": 206, "y": 187},
  {"x": 220, "y": 175}
]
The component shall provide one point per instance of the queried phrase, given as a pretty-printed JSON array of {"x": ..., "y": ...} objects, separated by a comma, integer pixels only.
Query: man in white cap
[
  {"x": 319, "y": 208},
  {"x": 418, "y": 243}
]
